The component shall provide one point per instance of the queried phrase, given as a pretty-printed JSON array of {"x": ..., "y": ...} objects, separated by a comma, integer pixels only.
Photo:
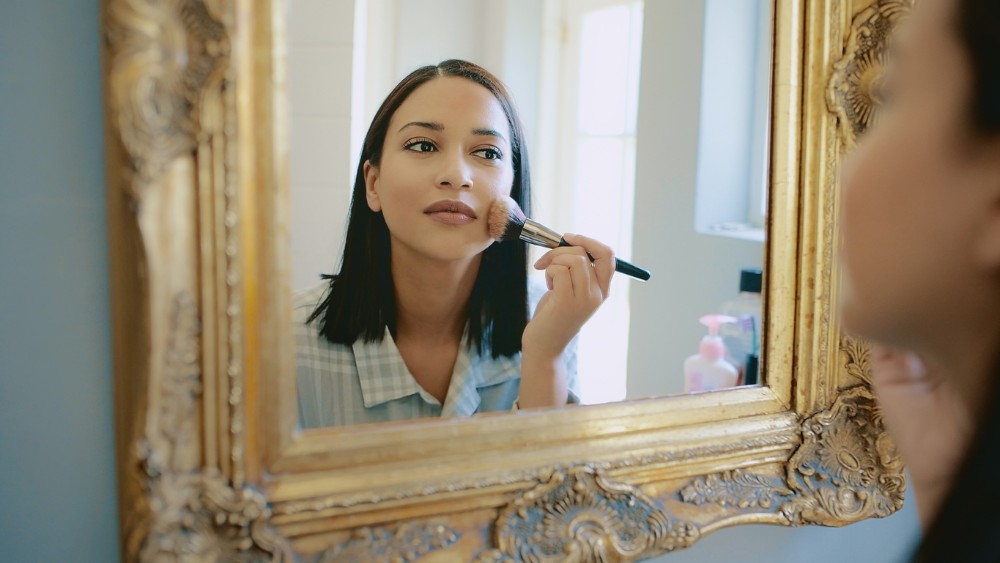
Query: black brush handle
[
  {"x": 620, "y": 265},
  {"x": 631, "y": 270}
]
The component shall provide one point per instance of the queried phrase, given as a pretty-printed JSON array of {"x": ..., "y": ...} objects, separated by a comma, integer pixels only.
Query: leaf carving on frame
[
  {"x": 578, "y": 515},
  {"x": 854, "y": 92},
  {"x": 164, "y": 55},
  {"x": 194, "y": 512},
  {"x": 857, "y": 358},
  {"x": 735, "y": 488},
  {"x": 405, "y": 544}
]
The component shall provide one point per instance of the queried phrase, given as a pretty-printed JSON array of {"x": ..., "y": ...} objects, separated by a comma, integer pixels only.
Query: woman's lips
[{"x": 450, "y": 212}]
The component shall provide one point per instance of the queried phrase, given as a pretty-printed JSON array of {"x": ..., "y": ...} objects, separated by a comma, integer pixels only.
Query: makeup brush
[{"x": 507, "y": 222}]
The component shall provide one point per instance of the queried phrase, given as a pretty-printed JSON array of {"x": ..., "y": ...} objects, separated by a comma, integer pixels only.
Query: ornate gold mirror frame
[{"x": 210, "y": 463}]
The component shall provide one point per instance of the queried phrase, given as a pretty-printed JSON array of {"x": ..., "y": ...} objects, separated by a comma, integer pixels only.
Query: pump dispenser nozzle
[
  {"x": 708, "y": 370},
  {"x": 711, "y": 347}
]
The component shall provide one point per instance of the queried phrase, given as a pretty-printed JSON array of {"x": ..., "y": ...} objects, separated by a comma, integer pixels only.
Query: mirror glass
[{"x": 660, "y": 153}]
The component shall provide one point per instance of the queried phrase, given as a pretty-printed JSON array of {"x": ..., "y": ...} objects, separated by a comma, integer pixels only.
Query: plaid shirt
[{"x": 369, "y": 382}]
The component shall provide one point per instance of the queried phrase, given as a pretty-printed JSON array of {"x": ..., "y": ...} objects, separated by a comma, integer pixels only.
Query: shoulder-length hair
[{"x": 361, "y": 301}]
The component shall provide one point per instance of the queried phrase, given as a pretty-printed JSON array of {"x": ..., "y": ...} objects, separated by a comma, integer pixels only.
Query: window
[
  {"x": 593, "y": 145},
  {"x": 735, "y": 119}
]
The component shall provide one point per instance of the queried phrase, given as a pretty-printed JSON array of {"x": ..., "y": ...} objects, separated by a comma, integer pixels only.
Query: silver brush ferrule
[{"x": 536, "y": 233}]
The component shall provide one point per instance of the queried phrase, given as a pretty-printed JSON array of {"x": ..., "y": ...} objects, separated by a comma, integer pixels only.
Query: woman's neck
[
  {"x": 432, "y": 297},
  {"x": 967, "y": 360}
]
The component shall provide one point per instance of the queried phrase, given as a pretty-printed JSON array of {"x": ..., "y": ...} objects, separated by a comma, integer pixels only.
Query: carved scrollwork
[
  {"x": 404, "y": 544},
  {"x": 854, "y": 91},
  {"x": 580, "y": 516},
  {"x": 164, "y": 57},
  {"x": 200, "y": 517},
  {"x": 194, "y": 513},
  {"x": 845, "y": 470}
]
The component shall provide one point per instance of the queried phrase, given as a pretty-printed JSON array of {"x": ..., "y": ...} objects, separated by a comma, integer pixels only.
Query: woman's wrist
[{"x": 543, "y": 381}]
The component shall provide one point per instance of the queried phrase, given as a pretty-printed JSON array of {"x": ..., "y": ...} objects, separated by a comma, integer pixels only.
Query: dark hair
[
  {"x": 979, "y": 29},
  {"x": 361, "y": 301},
  {"x": 966, "y": 523}
]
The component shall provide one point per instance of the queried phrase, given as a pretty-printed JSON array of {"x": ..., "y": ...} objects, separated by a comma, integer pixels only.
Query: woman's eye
[
  {"x": 419, "y": 145},
  {"x": 489, "y": 153}
]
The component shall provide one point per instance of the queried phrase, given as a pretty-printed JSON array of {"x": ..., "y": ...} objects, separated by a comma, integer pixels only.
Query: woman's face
[
  {"x": 920, "y": 197},
  {"x": 446, "y": 157}
]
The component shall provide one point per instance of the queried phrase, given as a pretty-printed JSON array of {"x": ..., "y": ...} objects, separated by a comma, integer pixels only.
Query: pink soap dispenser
[{"x": 708, "y": 369}]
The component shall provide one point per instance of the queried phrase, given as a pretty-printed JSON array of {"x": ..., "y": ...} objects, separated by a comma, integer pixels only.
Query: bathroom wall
[
  {"x": 57, "y": 471},
  {"x": 692, "y": 272},
  {"x": 320, "y": 65}
]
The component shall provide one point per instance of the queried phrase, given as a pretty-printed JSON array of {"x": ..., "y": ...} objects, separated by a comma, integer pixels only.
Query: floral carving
[
  {"x": 845, "y": 470},
  {"x": 855, "y": 89},
  {"x": 164, "y": 55},
  {"x": 579, "y": 516},
  {"x": 407, "y": 543}
]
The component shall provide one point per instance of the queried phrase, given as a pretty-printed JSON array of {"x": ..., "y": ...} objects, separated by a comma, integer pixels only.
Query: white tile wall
[
  {"x": 319, "y": 79},
  {"x": 321, "y": 22},
  {"x": 320, "y": 68}
]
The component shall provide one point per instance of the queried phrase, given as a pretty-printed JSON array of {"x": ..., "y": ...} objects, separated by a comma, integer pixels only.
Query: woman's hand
[
  {"x": 928, "y": 421},
  {"x": 577, "y": 287}
]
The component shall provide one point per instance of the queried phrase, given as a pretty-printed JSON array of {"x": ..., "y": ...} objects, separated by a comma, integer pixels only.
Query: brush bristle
[{"x": 505, "y": 219}]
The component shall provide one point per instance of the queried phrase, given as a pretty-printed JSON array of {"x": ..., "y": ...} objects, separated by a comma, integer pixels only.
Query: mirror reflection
[{"x": 661, "y": 156}]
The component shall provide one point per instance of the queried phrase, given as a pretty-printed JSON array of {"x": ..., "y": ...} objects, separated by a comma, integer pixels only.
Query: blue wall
[{"x": 57, "y": 480}]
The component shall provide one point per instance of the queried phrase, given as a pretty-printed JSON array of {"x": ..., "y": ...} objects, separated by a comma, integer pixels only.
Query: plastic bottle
[
  {"x": 743, "y": 338},
  {"x": 708, "y": 369}
]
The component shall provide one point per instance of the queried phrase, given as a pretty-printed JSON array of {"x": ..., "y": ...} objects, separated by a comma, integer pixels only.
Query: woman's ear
[{"x": 371, "y": 186}]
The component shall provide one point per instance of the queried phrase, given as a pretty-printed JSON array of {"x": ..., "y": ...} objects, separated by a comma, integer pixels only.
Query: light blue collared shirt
[{"x": 369, "y": 381}]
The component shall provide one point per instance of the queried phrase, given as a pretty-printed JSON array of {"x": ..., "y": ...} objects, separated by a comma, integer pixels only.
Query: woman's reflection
[{"x": 428, "y": 316}]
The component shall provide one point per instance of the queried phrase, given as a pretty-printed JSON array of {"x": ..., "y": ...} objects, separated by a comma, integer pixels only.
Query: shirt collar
[
  {"x": 384, "y": 377},
  {"x": 383, "y": 374}
]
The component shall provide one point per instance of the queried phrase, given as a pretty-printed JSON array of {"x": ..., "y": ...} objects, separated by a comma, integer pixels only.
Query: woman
[
  {"x": 921, "y": 258},
  {"x": 428, "y": 316}
]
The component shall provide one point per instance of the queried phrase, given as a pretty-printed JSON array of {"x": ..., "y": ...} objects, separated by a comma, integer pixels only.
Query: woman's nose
[{"x": 454, "y": 173}]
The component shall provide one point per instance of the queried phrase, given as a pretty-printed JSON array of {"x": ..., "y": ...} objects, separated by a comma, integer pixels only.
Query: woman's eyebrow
[
  {"x": 435, "y": 126},
  {"x": 432, "y": 125},
  {"x": 490, "y": 132}
]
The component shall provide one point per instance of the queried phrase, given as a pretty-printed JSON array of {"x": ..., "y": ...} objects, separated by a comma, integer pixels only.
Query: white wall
[
  {"x": 692, "y": 273},
  {"x": 320, "y": 66},
  {"x": 57, "y": 471}
]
